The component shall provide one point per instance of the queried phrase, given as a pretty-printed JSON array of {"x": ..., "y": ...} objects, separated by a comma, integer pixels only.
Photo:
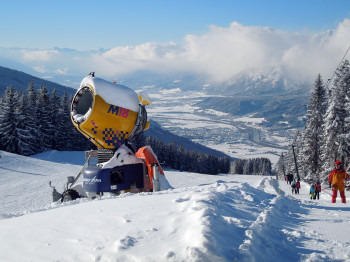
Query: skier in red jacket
[
  {"x": 298, "y": 187},
  {"x": 336, "y": 180},
  {"x": 317, "y": 189}
]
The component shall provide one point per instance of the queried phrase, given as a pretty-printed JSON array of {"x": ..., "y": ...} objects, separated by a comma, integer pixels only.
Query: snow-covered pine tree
[
  {"x": 237, "y": 167},
  {"x": 280, "y": 168},
  {"x": 194, "y": 165},
  {"x": 346, "y": 83},
  {"x": 224, "y": 165},
  {"x": 267, "y": 167},
  {"x": 202, "y": 163},
  {"x": 300, "y": 157},
  {"x": 247, "y": 169},
  {"x": 335, "y": 146},
  {"x": 313, "y": 134},
  {"x": 63, "y": 125},
  {"x": 31, "y": 119},
  {"x": 24, "y": 136},
  {"x": 55, "y": 103},
  {"x": 181, "y": 155},
  {"x": 344, "y": 141},
  {"x": 8, "y": 123},
  {"x": 43, "y": 118},
  {"x": 289, "y": 157}
]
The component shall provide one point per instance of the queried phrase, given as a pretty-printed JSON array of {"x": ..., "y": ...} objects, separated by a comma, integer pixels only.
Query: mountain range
[{"x": 274, "y": 95}]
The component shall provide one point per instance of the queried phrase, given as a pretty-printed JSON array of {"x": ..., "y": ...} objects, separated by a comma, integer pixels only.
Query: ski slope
[{"x": 204, "y": 218}]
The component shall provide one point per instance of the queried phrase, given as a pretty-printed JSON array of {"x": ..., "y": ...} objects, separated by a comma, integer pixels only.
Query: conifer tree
[
  {"x": 24, "y": 136},
  {"x": 31, "y": 120},
  {"x": 344, "y": 147},
  {"x": 43, "y": 118},
  {"x": 8, "y": 133},
  {"x": 54, "y": 117},
  {"x": 62, "y": 124},
  {"x": 313, "y": 134},
  {"x": 280, "y": 168},
  {"x": 335, "y": 145}
]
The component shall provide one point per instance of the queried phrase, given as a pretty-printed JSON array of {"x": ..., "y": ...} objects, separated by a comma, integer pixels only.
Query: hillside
[
  {"x": 275, "y": 109},
  {"x": 20, "y": 80},
  {"x": 156, "y": 131}
]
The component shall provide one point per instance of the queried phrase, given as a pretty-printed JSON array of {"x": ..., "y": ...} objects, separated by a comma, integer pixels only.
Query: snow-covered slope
[
  {"x": 24, "y": 181},
  {"x": 204, "y": 218}
]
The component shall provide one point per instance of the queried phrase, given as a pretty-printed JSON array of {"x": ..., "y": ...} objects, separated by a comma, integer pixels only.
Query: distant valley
[{"x": 252, "y": 120}]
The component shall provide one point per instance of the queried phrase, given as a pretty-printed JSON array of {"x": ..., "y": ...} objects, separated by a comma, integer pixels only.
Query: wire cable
[{"x": 330, "y": 79}]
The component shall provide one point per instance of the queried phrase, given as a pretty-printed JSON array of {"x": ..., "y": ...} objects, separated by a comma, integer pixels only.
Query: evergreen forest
[{"x": 326, "y": 135}]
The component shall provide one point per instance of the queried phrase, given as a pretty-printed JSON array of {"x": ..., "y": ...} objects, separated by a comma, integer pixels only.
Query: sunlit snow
[{"x": 204, "y": 218}]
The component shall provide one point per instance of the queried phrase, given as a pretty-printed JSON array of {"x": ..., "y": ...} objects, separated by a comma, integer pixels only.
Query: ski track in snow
[{"x": 205, "y": 218}]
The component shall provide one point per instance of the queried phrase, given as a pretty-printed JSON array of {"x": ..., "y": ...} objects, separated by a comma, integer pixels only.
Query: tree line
[
  {"x": 326, "y": 135},
  {"x": 35, "y": 121},
  {"x": 254, "y": 166},
  {"x": 177, "y": 157}
]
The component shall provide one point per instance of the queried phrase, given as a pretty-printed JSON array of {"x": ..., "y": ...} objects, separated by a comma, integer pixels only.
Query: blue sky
[
  {"x": 217, "y": 39},
  {"x": 87, "y": 24}
]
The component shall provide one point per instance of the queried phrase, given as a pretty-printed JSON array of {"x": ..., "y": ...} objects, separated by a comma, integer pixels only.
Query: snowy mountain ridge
[
  {"x": 267, "y": 81},
  {"x": 272, "y": 80}
]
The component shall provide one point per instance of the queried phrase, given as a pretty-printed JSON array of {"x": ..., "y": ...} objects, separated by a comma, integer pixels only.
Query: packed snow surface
[{"x": 204, "y": 218}]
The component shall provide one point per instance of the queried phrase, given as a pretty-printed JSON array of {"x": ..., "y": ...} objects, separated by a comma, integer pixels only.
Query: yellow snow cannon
[{"x": 108, "y": 113}]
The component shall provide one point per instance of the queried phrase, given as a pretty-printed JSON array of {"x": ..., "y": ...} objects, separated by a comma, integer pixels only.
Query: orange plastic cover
[{"x": 150, "y": 158}]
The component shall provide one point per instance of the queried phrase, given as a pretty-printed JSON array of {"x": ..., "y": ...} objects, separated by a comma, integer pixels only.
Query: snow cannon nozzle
[{"x": 108, "y": 114}]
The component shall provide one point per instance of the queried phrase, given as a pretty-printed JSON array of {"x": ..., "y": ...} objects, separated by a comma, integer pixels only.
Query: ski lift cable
[{"x": 338, "y": 67}]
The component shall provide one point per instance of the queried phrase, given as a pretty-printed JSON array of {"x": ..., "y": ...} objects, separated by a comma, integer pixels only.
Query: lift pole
[{"x": 296, "y": 165}]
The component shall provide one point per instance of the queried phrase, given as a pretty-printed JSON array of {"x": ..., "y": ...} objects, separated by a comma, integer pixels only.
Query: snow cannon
[
  {"x": 111, "y": 115},
  {"x": 108, "y": 113}
]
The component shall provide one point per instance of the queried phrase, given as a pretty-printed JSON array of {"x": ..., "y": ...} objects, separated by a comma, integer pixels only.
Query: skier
[
  {"x": 290, "y": 178},
  {"x": 294, "y": 185},
  {"x": 312, "y": 192},
  {"x": 336, "y": 180},
  {"x": 317, "y": 189},
  {"x": 298, "y": 187}
]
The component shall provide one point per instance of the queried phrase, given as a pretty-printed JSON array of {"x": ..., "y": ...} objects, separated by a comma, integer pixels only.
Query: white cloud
[
  {"x": 38, "y": 55},
  {"x": 40, "y": 69},
  {"x": 61, "y": 71},
  {"x": 222, "y": 52},
  {"x": 149, "y": 56}
]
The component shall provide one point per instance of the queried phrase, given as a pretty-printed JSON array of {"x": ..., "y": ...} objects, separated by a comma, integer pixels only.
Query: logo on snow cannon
[{"x": 106, "y": 113}]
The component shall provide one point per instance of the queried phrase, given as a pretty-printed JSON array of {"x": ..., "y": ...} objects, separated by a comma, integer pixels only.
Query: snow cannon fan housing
[{"x": 108, "y": 113}]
